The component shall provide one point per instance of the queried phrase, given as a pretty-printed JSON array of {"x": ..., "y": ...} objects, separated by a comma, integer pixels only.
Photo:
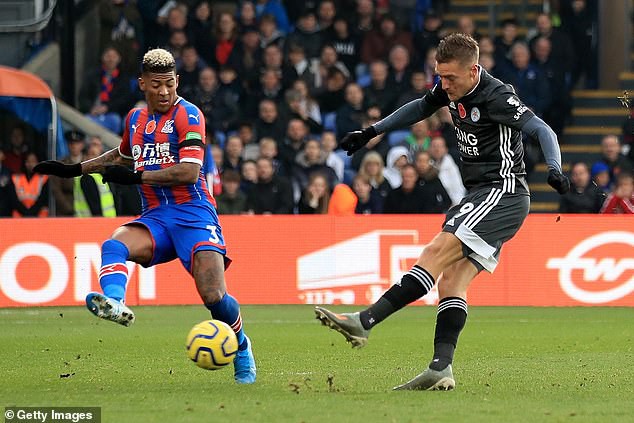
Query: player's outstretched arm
[
  {"x": 402, "y": 117},
  {"x": 185, "y": 173},
  {"x": 537, "y": 128},
  {"x": 100, "y": 163},
  {"x": 95, "y": 165}
]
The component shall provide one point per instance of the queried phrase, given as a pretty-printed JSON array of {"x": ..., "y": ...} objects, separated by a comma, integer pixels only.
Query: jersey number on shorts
[
  {"x": 214, "y": 235},
  {"x": 466, "y": 208}
]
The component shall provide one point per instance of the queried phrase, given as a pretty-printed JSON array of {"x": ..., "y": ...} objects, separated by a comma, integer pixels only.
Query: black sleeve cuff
[
  {"x": 369, "y": 132},
  {"x": 76, "y": 169},
  {"x": 139, "y": 177}
]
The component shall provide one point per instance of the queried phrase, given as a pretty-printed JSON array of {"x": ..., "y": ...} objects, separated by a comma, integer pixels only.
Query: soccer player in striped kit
[
  {"x": 489, "y": 120},
  {"x": 164, "y": 142}
]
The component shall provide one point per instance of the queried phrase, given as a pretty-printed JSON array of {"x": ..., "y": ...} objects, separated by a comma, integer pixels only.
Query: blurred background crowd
[{"x": 281, "y": 82}]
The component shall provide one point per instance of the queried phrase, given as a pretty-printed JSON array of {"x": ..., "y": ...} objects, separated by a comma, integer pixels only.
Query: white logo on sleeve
[
  {"x": 513, "y": 101},
  {"x": 195, "y": 117}
]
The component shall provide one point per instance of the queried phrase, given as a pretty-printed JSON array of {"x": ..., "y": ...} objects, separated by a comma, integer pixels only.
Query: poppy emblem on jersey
[
  {"x": 461, "y": 111},
  {"x": 136, "y": 151},
  {"x": 150, "y": 126},
  {"x": 475, "y": 114}
]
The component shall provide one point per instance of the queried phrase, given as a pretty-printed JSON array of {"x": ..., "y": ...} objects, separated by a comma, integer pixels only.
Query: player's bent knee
[
  {"x": 212, "y": 296},
  {"x": 432, "y": 251},
  {"x": 436, "y": 252},
  {"x": 137, "y": 240},
  {"x": 208, "y": 272},
  {"x": 444, "y": 247}
]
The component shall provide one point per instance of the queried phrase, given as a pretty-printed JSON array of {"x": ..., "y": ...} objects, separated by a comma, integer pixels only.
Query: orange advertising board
[{"x": 579, "y": 260}]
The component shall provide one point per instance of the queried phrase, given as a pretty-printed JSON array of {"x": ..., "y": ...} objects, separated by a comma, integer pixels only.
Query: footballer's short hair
[
  {"x": 158, "y": 60},
  {"x": 460, "y": 47}
]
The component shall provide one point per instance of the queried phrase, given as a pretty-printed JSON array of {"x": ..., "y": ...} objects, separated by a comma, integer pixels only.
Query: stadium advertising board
[{"x": 577, "y": 261}]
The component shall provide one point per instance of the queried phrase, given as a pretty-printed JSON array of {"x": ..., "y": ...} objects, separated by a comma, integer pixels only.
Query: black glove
[
  {"x": 122, "y": 175},
  {"x": 558, "y": 181},
  {"x": 353, "y": 141},
  {"x": 53, "y": 167}
]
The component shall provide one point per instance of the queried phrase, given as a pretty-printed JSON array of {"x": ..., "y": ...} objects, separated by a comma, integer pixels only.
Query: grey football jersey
[{"x": 487, "y": 122}]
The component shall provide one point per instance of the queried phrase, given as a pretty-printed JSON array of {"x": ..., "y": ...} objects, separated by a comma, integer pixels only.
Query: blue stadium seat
[
  {"x": 220, "y": 138},
  {"x": 330, "y": 121},
  {"x": 347, "y": 160},
  {"x": 111, "y": 121},
  {"x": 348, "y": 176},
  {"x": 364, "y": 80},
  {"x": 134, "y": 85},
  {"x": 396, "y": 137}
]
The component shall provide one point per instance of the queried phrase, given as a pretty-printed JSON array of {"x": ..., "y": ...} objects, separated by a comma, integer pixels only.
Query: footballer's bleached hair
[{"x": 158, "y": 60}]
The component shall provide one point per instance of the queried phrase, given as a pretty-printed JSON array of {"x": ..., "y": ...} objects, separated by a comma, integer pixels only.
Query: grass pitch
[{"x": 512, "y": 365}]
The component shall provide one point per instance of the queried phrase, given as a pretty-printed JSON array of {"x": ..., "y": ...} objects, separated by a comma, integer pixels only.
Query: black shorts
[{"x": 486, "y": 218}]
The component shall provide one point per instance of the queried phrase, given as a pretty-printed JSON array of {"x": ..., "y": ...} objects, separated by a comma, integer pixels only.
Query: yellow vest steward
[{"x": 107, "y": 199}]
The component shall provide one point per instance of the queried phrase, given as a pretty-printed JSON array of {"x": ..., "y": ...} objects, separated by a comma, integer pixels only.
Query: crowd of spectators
[
  {"x": 24, "y": 193},
  {"x": 280, "y": 82},
  {"x": 605, "y": 186}
]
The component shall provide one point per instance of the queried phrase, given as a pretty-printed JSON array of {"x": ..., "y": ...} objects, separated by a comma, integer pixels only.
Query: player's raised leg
[
  {"x": 450, "y": 320},
  {"x": 113, "y": 274},
  {"x": 444, "y": 250},
  {"x": 208, "y": 271}
]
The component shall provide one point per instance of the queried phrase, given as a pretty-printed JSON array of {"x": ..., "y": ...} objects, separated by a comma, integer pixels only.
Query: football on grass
[{"x": 212, "y": 344}]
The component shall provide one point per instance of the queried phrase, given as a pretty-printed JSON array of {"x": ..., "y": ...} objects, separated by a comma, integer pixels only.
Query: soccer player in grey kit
[{"x": 489, "y": 120}]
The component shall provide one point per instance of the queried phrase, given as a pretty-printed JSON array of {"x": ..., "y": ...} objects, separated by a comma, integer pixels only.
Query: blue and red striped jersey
[{"x": 158, "y": 141}]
